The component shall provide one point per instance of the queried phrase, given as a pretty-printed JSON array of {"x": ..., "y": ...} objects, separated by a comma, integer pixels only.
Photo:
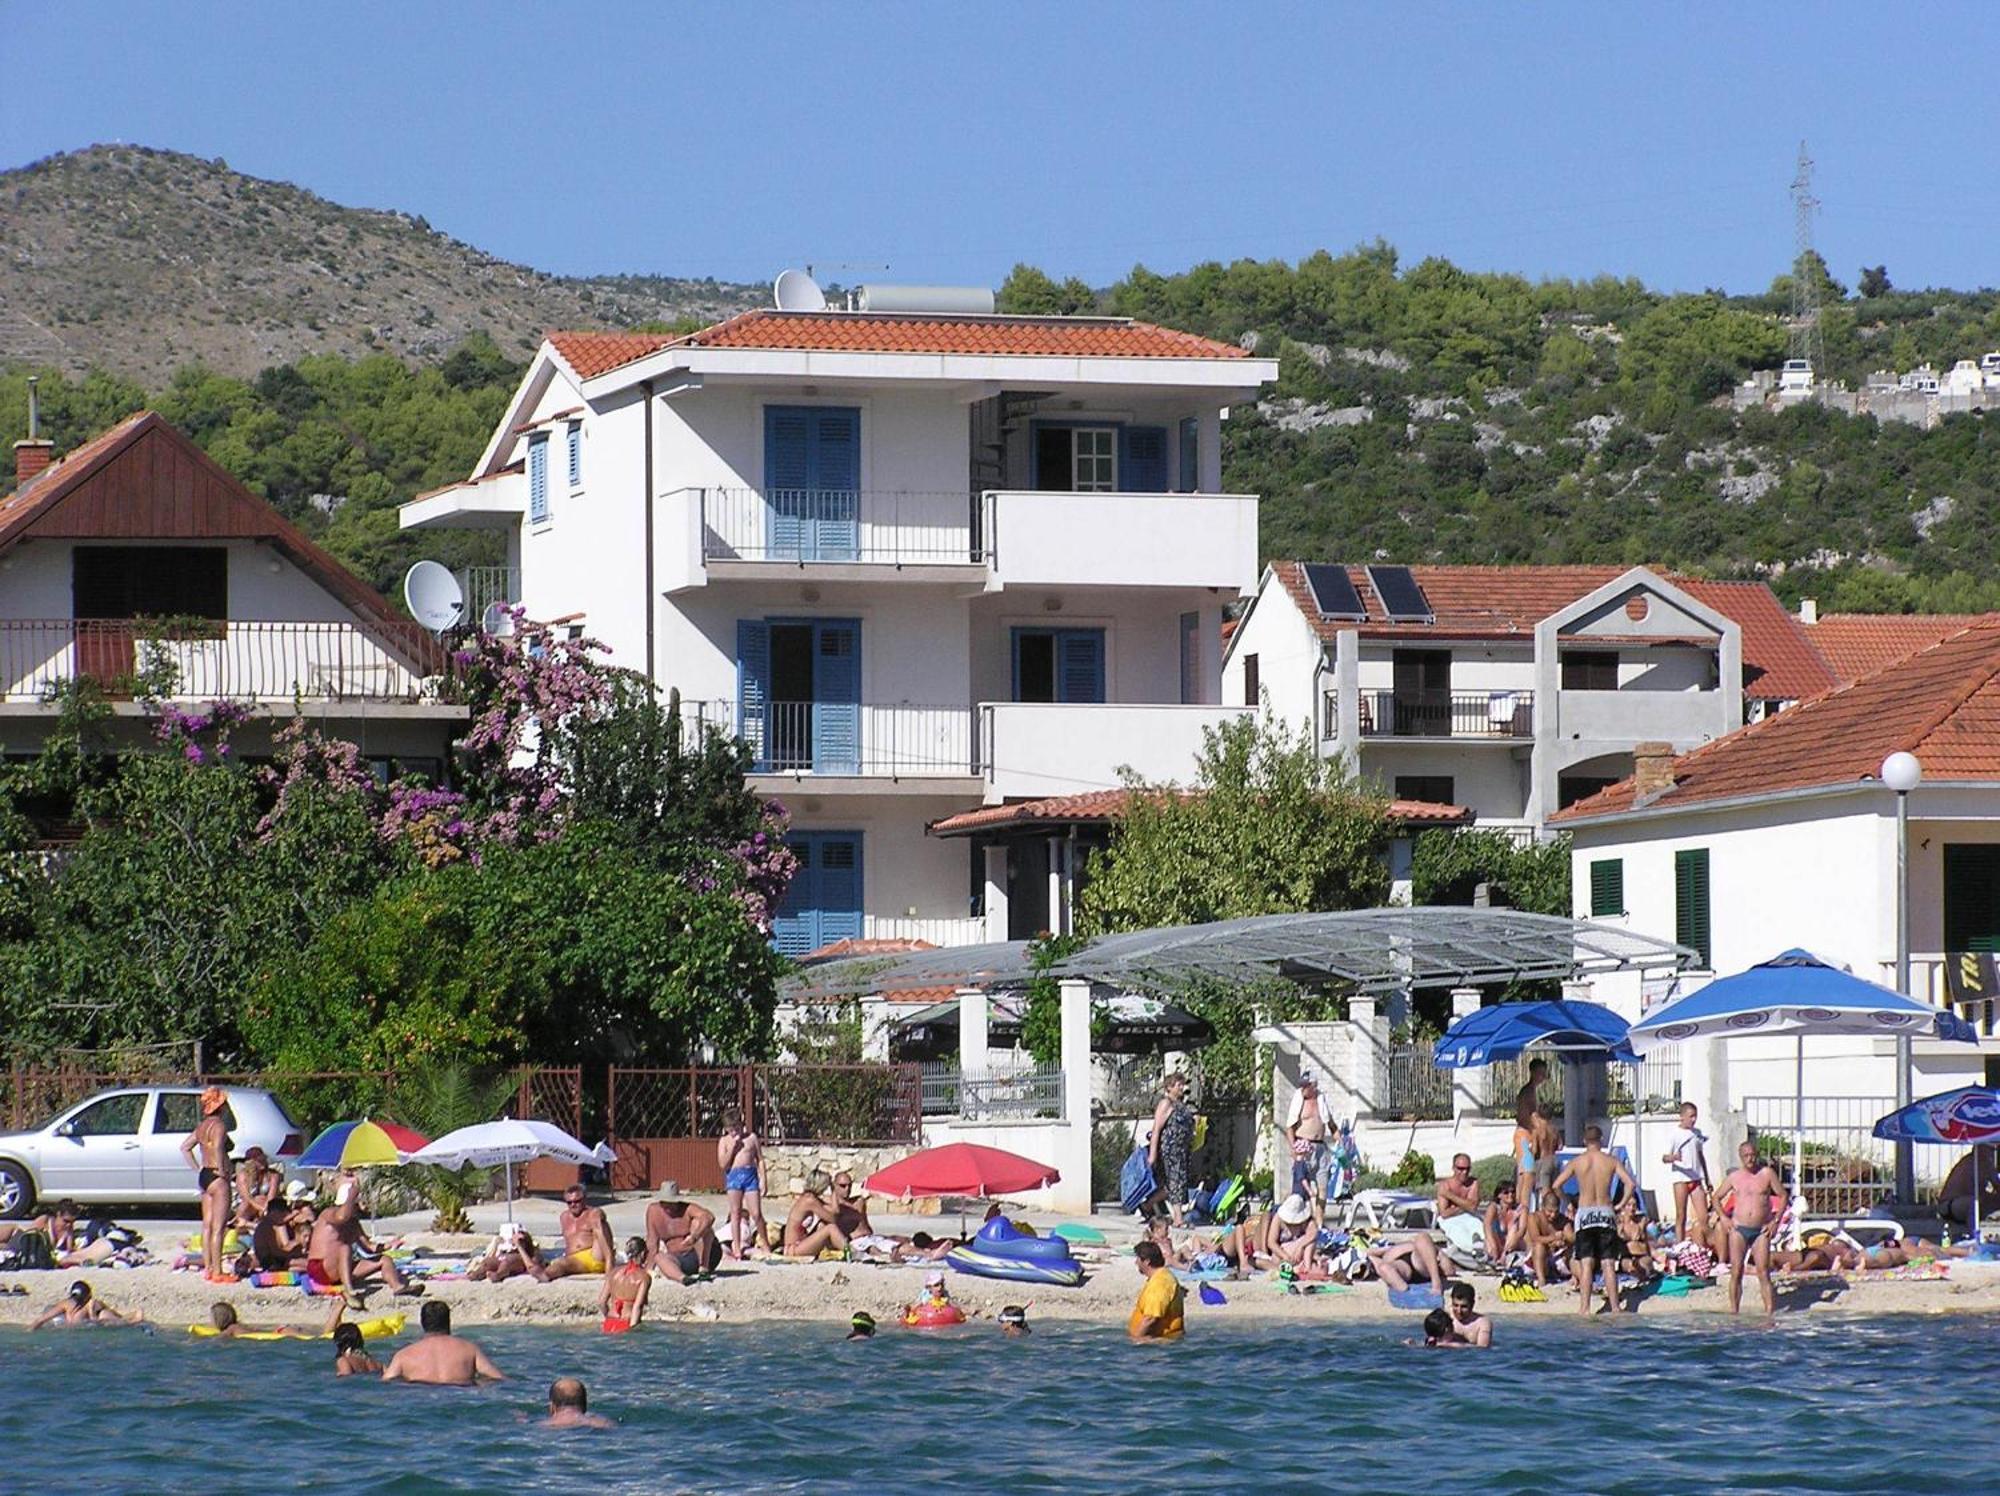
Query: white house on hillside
[
  {"x": 920, "y": 561},
  {"x": 1785, "y": 835},
  {"x": 138, "y": 550},
  {"x": 1512, "y": 691}
]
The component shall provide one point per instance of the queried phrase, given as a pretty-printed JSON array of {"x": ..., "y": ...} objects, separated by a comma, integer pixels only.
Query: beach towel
[
  {"x": 1415, "y": 1297},
  {"x": 1136, "y": 1183}
]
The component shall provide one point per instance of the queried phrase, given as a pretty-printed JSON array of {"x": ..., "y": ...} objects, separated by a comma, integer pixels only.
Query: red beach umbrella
[{"x": 960, "y": 1169}]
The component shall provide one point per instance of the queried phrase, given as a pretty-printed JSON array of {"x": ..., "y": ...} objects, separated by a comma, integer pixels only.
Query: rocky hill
[{"x": 139, "y": 261}]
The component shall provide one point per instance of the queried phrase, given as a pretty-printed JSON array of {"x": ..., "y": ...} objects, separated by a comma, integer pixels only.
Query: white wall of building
[
  {"x": 1489, "y": 778},
  {"x": 264, "y": 586},
  {"x": 1289, "y": 652}
]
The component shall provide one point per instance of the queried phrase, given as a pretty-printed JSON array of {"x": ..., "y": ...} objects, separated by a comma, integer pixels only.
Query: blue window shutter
[
  {"x": 1190, "y": 454},
  {"x": 1080, "y": 665},
  {"x": 1142, "y": 460},
  {"x": 753, "y": 685},
  {"x": 836, "y": 484},
  {"x": 787, "y": 479},
  {"x": 839, "y": 890},
  {"x": 538, "y": 479},
  {"x": 795, "y": 926},
  {"x": 576, "y": 454},
  {"x": 837, "y": 697}
]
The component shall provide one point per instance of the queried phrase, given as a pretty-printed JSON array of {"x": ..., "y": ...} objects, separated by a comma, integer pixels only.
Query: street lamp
[{"x": 1902, "y": 773}]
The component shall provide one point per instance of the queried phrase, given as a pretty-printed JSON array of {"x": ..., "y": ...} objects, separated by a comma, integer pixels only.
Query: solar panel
[
  {"x": 1333, "y": 592},
  {"x": 1402, "y": 599}
]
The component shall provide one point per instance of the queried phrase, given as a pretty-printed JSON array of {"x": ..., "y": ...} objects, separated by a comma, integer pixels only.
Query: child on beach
[{"x": 740, "y": 1152}]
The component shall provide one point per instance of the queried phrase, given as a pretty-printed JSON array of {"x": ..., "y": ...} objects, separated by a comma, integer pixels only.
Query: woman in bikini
[
  {"x": 207, "y": 1151},
  {"x": 740, "y": 1152}
]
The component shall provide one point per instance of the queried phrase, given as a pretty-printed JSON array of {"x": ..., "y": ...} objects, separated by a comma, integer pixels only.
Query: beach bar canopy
[{"x": 1362, "y": 950}]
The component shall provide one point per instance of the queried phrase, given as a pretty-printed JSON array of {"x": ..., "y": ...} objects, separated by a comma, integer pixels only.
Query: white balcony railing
[
  {"x": 893, "y": 740},
  {"x": 195, "y": 660},
  {"x": 934, "y": 930},
  {"x": 796, "y": 526}
]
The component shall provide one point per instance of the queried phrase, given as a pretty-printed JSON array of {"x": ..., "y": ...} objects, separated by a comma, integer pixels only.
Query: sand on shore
[{"x": 831, "y": 1292}]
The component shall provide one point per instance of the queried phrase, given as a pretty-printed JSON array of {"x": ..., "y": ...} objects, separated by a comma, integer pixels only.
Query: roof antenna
[{"x": 34, "y": 408}]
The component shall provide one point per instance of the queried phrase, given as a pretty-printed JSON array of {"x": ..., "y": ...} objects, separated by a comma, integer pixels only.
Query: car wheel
[{"x": 17, "y": 1192}]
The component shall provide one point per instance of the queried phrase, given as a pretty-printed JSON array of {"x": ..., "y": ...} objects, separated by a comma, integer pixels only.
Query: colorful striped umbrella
[{"x": 350, "y": 1145}]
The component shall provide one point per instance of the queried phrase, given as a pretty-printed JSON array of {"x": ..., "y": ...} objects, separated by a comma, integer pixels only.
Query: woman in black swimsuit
[{"x": 207, "y": 1151}]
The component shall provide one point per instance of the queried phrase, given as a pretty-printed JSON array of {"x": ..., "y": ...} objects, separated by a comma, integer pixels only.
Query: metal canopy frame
[{"x": 1363, "y": 950}]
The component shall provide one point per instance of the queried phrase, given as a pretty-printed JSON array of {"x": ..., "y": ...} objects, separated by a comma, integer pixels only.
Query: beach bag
[
  {"x": 1135, "y": 1180},
  {"x": 32, "y": 1253}
]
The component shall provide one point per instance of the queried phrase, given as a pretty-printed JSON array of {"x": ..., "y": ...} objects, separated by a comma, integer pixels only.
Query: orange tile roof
[
  {"x": 879, "y": 946},
  {"x": 1482, "y": 602},
  {"x": 594, "y": 353},
  {"x": 1942, "y": 704},
  {"x": 1109, "y": 805},
  {"x": 1858, "y": 644}
]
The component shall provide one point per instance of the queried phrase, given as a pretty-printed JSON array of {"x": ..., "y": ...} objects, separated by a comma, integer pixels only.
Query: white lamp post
[{"x": 1902, "y": 773}]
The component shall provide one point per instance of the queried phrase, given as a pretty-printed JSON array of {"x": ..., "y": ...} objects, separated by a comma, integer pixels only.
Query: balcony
[
  {"x": 848, "y": 740},
  {"x": 240, "y": 661},
  {"x": 806, "y": 526},
  {"x": 1037, "y": 749},
  {"x": 487, "y": 585},
  {"x": 1122, "y": 539},
  {"x": 1445, "y": 714}
]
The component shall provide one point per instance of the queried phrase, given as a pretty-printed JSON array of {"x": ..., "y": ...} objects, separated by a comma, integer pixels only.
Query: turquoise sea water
[{"x": 1633, "y": 1407}]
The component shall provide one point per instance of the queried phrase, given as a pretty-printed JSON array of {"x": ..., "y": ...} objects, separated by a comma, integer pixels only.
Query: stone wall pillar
[
  {"x": 972, "y": 1032},
  {"x": 1073, "y": 1192},
  {"x": 1471, "y": 1085},
  {"x": 996, "y": 892},
  {"x": 1366, "y": 1061}
]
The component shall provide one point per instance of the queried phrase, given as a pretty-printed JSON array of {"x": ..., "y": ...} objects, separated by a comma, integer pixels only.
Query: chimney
[
  {"x": 1808, "y": 610},
  {"x": 33, "y": 454},
  {"x": 1652, "y": 771}
]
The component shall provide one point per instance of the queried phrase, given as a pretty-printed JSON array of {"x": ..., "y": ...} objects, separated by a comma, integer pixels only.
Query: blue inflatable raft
[{"x": 999, "y": 1251}]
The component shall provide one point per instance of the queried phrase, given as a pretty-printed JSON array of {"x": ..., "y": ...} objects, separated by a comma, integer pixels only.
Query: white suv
[{"x": 123, "y": 1147}]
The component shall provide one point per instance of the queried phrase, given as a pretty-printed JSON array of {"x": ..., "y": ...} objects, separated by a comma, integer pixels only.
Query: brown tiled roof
[
  {"x": 1942, "y": 704},
  {"x": 849, "y": 946},
  {"x": 594, "y": 353},
  {"x": 897, "y": 332},
  {"x": 1109, "y": 805},
  {"x": 1858, "y": 644},
  {"x": 1498, "y": 602}
]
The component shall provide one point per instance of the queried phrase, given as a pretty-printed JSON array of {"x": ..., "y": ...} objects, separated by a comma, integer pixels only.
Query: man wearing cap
[
  {"x": 1305, "y": 1135},
  {"x": 206, "y": 1150},
  {"x": 680, "y": 1236}
]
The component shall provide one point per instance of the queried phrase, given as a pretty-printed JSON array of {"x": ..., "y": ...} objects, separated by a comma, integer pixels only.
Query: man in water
[
  {"x": 569, "y": 1406},
  {"x": 1161, "y": 1312},
  {"x": 440, "y": 1358},
  {"x": 1526, "y": 1155},
  {"x": 1458, "y": 1191},
  {"x": 862, "y": 1326},
  {"x": 1754, "y": 1200},
  {"x": 1472, "y": 1327},
  {"x": 625, "y": 1288},
  {"x": 1598, "y": 1245},
  {"x": 680, "y": 1237},
  {"x": 586, "y": 1236},
  {"x": 331, "y": 1260},
  {"x": 206, "y": 1150},
  {"x": 1690, "y": 1168},
  {"x": 1014, "y": 1320}
]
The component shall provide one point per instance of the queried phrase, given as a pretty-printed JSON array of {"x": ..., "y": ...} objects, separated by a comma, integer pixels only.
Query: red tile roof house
[
  {"x": 1513, "y": 690},
  {"x": 1784, "y": 834},
  {"x": 919, "y": 561},
  {"x": 140, "y": 524}
]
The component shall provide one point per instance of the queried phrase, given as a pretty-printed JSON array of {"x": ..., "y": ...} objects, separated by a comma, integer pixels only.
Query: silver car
[{"x": 123, "y": 1147}]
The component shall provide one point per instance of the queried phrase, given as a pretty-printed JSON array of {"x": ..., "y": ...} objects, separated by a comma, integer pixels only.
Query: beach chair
[{"x": 1388, "y": 1210}]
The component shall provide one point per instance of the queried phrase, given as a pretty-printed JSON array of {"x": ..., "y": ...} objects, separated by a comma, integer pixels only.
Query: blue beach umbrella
[
  {"x": 1968, "y": 1114},
  {"x": 1504, "y": 1031},
  {"x": 1794, "y": 993}
]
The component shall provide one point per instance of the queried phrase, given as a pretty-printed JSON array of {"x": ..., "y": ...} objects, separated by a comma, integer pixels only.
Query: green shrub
[
  {"x": 1493, "y": 1171},
  {"x": 1415, "y": 1172}
]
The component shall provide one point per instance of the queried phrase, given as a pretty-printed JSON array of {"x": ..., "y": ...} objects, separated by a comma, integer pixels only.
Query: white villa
[
  {"x": 920, "y": 561},
  {"x": 1513, "y": 691},
  {"x": 138, "y": 547}
]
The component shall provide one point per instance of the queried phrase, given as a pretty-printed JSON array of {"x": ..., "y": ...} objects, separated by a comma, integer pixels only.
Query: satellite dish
[
  {"x": 433, "y": 596},
  {"x": 497, "y": 620},
  {"x": 795, "y": 291}
]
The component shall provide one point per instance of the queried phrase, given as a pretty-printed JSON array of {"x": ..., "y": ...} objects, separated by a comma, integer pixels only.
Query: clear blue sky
[{"x": 948, "y": 140}]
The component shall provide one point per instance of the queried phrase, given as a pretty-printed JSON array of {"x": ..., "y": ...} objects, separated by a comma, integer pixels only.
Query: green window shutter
[
  {"x": 1971, "y": 896},
  {"x": 1607, "y": 887},
  {"x": 1691, "y": 901}
]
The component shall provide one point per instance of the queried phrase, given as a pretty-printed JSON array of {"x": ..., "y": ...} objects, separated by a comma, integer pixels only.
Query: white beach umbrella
[{"x": 510, "y": 1141}]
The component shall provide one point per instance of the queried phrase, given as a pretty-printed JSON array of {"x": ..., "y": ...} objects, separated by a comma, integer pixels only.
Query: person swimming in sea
[
  {"x": 862, "y": 1326},
  {"x": 569, "y": 1406},
  {"x": 1441, "y": 1332},
  {"x": 1014, "y": 1320},
  {"x": 81, "y": 1306},
  {"x": 623, "y": 1298},
  {"x": 350, "y": 1353}
]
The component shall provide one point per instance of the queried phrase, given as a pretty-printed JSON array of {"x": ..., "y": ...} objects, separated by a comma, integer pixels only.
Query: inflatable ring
[{"x": 932, "y": 1316}]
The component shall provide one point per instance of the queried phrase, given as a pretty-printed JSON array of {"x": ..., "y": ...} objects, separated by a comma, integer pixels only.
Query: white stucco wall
[
  {"x": 264, "y": 586},
  {"x": 1288, "y": 653},
  {"x": 1489, "y": 777}
]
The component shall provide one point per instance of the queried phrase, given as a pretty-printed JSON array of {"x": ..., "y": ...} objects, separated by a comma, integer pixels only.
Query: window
[
  {"x": 1691, "y": 901},
  {"x": 1607, "y": 887},
  {"x": 149, "y": 581},
  {"x": 1434, "y": 789},
  {"x": 812, "y": 482},
  {"x": 1589, "y": 670},
  {"x": 1096, "y": 461},
  {"x": 798, "y": 693},
  {"x": 1972, "y": 896},
  {"x": 1190, "y": 658},
  {"x": 822, "y": 904},
  {"x": 1190, "y": 434},
  {"x": 1252, "y": 687},
  {"x": 1076, "y": 459},
  {"x": 114, "y": 1116},
  {"x": 1059, "y": 665},
  {"x": 576, "y": 454},
  {"x": 177, "y": 1113},
  {"x": 538, "y": 480}
]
